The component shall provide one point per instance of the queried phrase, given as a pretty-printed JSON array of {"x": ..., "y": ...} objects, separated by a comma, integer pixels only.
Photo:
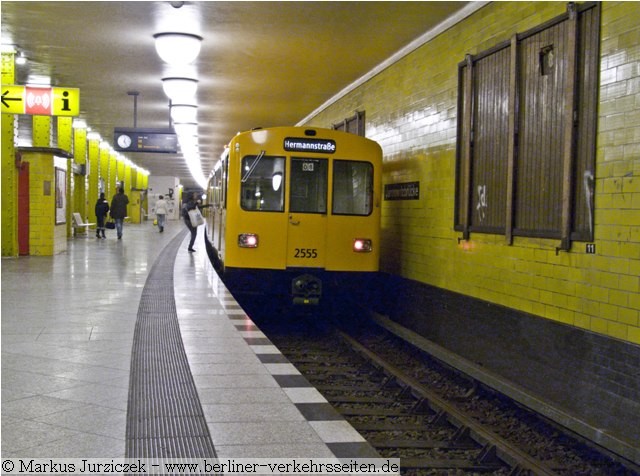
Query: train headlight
[
  {"x": 362, "y": 245},
  {"x": 247, "y": 240}
]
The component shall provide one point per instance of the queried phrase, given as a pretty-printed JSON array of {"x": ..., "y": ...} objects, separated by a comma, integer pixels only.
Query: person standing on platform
[
  {"x": 161, "y": 212},
  {"x": 102, "y": 208},
  {"x": 119, "y": 204},
  {"x": 191, "y": 204}
]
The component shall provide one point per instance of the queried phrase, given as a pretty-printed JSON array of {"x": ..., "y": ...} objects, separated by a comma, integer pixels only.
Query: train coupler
[{"x": 306, "y": 290}]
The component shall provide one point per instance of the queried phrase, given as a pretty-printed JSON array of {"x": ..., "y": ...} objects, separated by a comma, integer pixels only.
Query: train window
[
  {"x": 262, "y": 184},
  {"x": 308, "y": 186},
  {"x": 352, "y": 188}
]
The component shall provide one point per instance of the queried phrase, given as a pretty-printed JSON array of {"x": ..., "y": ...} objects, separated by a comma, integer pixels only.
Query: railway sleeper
[
  {"x": 355, "y": 399},
  {"x": 370, "y": 412},
  {"x": 387, "y": 426},
  {"x": 430, "y": 463},
  {"x": 346, "y": 388},
  {"x": 425, "y": 444}
]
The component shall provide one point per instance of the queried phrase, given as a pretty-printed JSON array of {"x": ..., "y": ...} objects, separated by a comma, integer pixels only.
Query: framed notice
[{"x": 61, "y": 196}]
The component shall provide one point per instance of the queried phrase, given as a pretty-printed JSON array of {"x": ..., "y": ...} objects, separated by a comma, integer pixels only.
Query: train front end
[{"x": 302, "y": 213}]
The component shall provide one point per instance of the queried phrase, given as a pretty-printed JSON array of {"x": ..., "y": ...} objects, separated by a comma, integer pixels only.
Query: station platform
[{"x": 134, "y": 348}]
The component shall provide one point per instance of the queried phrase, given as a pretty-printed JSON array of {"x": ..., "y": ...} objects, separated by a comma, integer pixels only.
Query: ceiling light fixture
[
  {"x": 178, "y": 48},
  {"x": 180, "y": 90},
  {"x": 181, "y": 113},
  {"x": 21, "y": 58},
  {"x": 185, "y": 129}
]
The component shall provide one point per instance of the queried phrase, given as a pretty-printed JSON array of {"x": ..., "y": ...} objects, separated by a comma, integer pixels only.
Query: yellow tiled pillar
[
  {"x": 44, "y": 191},
  {"x": 128, "y": 186},
  {"x": 120, "y": 170},
  {"x": 93, "y": 157},
  {"x": 105, "y": 155},
  {"x": 65, "y": 142},
  {"x": 9, "y": 199},
  {"x": 9, "y": 213},
  {"x": 113, "y": 177},
  {"x": 79, "y": 201},
  {"x": 42, "y": 202}
]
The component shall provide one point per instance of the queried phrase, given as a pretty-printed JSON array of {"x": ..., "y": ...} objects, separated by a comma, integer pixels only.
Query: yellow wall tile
[{"x": 411, "y": 110}]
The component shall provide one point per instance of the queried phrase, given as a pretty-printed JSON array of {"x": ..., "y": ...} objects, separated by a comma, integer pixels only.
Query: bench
[{"x": 79, "y": 223}]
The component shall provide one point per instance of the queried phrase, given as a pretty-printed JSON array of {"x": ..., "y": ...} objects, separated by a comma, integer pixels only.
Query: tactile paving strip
[{"x": 164, "y": 414}]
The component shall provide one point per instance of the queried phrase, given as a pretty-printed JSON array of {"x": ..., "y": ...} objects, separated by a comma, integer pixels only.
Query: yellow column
[
  {"x": 105, "y": 153},
  {"x": 93, "y": 167},
  {"x": 128, "y": 186},
  {"x": 43, "y": 191},
  {"x": 65, "y": 141},
  {"x": 79, "y": 202},
  {"x": 120, "y": 170},
  {"x": 41, "y": 131},
  {"x": 9, "y": 198},
  {"x": 134, "y": 195},
  {"x": 113, "y": 176},
  {"x": 42, "y": 203}
]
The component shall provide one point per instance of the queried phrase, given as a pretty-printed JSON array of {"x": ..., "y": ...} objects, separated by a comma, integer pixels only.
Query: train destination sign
[
  {"x": 159, "y": 141},
  {"x": 402, "y": 191},
  {"x": 304, "y": 144},
  {"x": 42, "y": 101}
]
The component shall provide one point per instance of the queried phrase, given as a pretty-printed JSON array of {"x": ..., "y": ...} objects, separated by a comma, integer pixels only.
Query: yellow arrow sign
[
  {"x": 46, "y": 101},
  {"x": 13, "y": 99}
]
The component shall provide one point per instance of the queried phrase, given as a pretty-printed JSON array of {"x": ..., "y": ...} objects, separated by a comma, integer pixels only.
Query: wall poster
[{"x": 61, "y": 196}]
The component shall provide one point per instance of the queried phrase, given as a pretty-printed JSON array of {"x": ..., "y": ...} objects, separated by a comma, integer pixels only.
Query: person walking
[
  {"x": 191, "y": 204},
  {"x": 118, "y": 212},
  {"x": 102, "y": 208},
  {"x": 161, "y": 212}
]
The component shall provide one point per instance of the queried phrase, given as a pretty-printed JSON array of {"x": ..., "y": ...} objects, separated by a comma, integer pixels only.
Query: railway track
[{"x": 408, "y": 406}]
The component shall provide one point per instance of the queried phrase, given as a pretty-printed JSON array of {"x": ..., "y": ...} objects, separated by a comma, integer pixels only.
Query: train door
[{"x": 307, "y": 213}]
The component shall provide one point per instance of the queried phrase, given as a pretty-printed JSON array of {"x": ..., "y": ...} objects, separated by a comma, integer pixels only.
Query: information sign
[{"x": 44, "y": 101}]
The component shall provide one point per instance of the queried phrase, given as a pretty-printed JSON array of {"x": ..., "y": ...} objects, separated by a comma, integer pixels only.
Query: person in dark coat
[
  {"x": 191, "y": 204},
  {"x": 118, "y": 211},
  {"x": 102, "y": 208}
]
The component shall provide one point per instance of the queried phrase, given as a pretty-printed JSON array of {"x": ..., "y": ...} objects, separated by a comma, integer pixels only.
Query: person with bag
[
  {"x": 119, "y": 210},
  {"x": 161, "y": 212},
  {"x": 190, "y": 212},
  {"x": 101, "y": 209}
]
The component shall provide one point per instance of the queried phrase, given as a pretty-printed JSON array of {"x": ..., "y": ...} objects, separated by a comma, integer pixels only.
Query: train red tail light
[
  {"x": 362, "y": 245},
  {"x": 248, "y": 240}
]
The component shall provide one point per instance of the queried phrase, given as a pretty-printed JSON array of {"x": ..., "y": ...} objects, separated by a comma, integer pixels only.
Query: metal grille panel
[{"x": 164, "y": 415}]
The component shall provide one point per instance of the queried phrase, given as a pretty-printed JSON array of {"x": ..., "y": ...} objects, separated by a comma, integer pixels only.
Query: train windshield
[
  {"x": 262, "y": 185},
  {"x": 352, "y": 188},
  {"x": 308, "y": 186}
]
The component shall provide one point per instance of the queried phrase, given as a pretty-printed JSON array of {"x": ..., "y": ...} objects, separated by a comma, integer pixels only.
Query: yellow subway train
[{"x": 295, "y": 211}]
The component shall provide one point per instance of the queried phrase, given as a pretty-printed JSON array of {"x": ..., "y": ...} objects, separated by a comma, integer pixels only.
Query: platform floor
[{"x": 68, "y": 330}]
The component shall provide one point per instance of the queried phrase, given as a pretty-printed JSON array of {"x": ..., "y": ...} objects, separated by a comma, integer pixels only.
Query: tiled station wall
[{"x": 411, "y": 110}]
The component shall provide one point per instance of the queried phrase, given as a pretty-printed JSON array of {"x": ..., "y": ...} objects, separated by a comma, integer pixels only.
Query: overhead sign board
[
  {"x": 132, "y": 139},
  {"x": 44, "y": 101}
]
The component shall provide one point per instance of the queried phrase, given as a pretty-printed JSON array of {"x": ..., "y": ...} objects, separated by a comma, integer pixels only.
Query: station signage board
[
  {"x": 402, "y": 191},
  {"x": 304, "y": 144},
  {"x": 43, "y": 101},
  {"x": 156, "y": 140}
]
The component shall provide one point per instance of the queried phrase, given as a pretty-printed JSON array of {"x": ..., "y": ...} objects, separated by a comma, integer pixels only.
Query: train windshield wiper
[{"x": 253, "y": 166}]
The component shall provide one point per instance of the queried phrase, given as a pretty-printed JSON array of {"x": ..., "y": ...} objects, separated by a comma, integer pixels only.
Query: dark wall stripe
[{"x": 164, "y": 415}]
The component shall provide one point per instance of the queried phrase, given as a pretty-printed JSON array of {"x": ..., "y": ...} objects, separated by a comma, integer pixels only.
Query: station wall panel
[{"x": 411, "y": 110}]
